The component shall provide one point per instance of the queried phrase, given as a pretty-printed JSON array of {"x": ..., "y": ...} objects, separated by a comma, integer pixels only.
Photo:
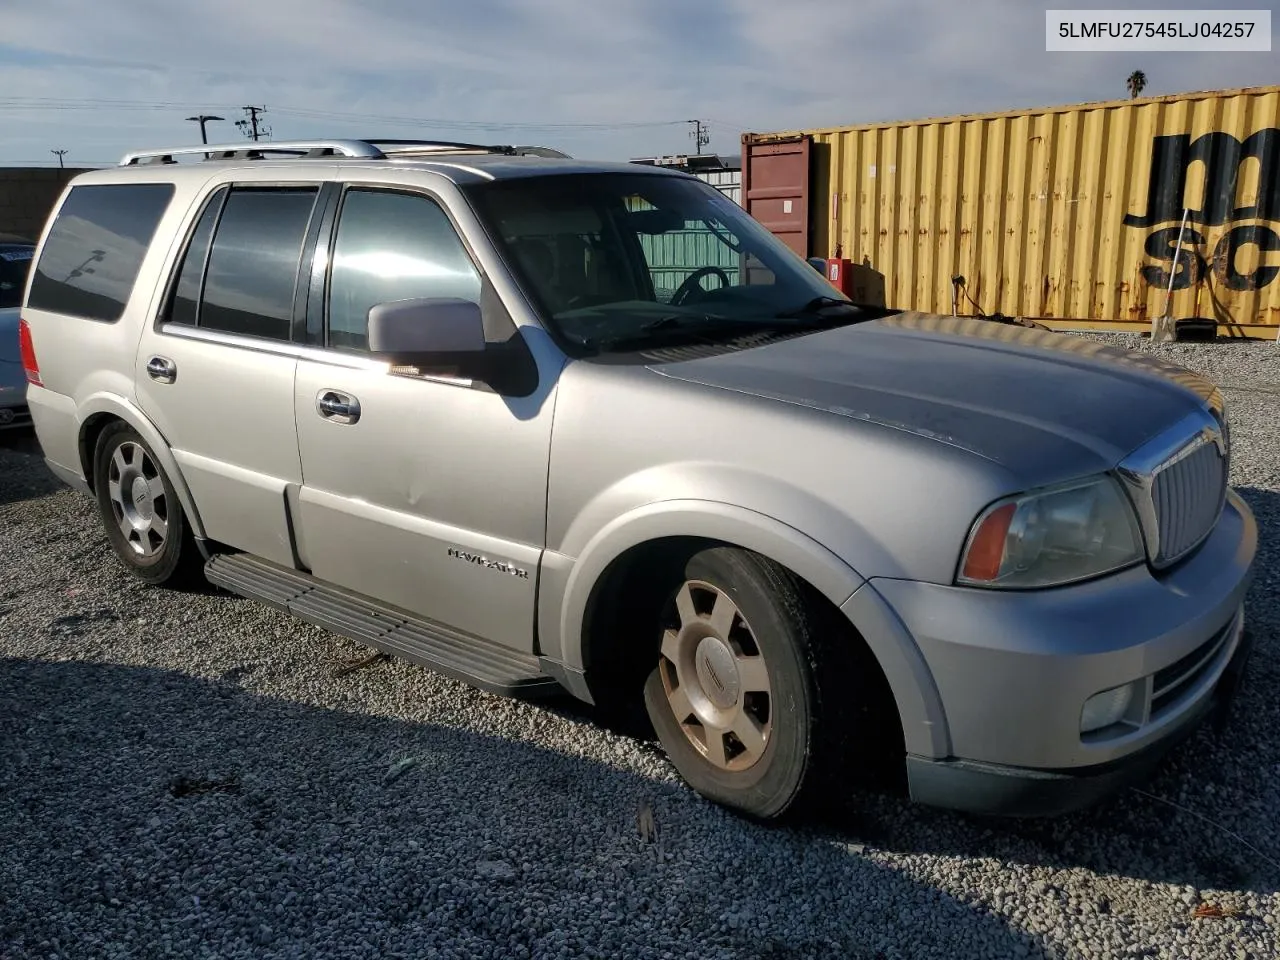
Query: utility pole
[
  {"x": 700, "y": 135},
  {"x": 202, "y": 120},
  {"x": 60, "y": 154},
  {"x": 251, "y": 128}
]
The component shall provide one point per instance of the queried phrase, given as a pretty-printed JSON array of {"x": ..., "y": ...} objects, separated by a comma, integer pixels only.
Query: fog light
[{"x": 1105, "y": 708}]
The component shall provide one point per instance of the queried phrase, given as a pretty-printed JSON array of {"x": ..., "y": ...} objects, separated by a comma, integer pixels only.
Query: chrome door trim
[
  {"x": 162, "y": 369},
  {"x": 337, "y": 407},
  {"x": 300, "y": 351}
]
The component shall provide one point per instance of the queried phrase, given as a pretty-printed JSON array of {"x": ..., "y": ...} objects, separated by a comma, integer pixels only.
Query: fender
[
  {"x": 709, "y": 519},
  {"x": 924, "y": 722},
  {"x": 123, "y": 409},
  {"x": 566, "y": 586}
]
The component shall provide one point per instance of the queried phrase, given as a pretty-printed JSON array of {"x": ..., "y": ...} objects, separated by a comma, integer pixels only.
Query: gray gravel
[{"x": 184, "y": 775}]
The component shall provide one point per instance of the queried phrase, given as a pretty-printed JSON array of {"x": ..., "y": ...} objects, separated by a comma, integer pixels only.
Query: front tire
[
  {"x": 140, "y": 510},
  {"x": 751, "y": 696}
]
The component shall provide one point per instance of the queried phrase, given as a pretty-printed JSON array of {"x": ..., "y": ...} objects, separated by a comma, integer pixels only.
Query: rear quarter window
[{"x": 95, "y": 248}]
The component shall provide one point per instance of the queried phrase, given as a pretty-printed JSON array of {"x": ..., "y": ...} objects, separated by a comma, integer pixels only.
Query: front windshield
[{"x": 622, "y": 261}]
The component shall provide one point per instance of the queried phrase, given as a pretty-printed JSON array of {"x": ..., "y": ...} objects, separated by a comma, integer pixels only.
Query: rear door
[{"x": 215, "y": 373}]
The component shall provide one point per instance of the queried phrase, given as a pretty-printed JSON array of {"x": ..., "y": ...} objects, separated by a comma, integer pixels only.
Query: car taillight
[{"x": 27, "y": 350}]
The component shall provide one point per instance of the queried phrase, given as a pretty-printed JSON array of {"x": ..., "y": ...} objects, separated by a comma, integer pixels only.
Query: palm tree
[{"x": 1136, "y": 83}]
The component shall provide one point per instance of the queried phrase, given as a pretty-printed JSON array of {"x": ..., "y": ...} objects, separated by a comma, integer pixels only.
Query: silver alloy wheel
[
  {"x": 715, "y": 678},
  {"x": 138, "y": 500}
]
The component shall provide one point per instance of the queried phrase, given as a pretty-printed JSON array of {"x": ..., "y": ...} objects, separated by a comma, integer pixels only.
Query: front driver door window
[{"x": 392, "y": 246}]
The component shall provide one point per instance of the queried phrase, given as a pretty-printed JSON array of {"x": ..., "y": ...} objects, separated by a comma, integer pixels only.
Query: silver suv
[{"x": 547, "y": 425}]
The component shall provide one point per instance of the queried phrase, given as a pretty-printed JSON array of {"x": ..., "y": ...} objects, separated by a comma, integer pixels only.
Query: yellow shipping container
[{"x": 1069, "y": 214}]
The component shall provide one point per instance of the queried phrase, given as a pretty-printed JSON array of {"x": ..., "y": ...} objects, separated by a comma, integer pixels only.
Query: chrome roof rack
[
  {"x": 378, "y": 149},
  {"x": 258, "y": 150},
  {"x": 402, "y": 148}
]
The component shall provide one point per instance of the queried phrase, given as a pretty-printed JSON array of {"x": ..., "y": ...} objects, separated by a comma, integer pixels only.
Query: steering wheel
[{"x": 691, "y": 283}]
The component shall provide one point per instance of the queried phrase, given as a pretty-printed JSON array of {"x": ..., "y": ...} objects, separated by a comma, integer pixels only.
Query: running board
[{"x": 481, "y": 663}]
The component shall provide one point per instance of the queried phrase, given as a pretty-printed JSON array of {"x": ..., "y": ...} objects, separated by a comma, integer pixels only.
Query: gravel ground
[{"x": 185, "y": 775}]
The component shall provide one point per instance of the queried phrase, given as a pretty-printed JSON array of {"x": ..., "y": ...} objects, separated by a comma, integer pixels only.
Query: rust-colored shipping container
[{"x": 1070, "y": 215}]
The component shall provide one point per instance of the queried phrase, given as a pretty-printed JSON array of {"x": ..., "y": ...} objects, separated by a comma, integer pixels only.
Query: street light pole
[{"x": 202, "y": 120}]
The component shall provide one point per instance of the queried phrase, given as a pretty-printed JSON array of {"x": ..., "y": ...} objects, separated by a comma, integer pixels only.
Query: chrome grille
[
  {"x": 1178, "y": 483},
  {"x": 1187, "y": 494},
  {"x": 14, "y": 417}
]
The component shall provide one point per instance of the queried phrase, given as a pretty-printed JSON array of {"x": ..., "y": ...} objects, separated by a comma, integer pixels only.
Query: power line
[
  {"x": 77, "y": 103},
  {"x": 49, "y": 163},
  {"x": 92, "y": 104},
  {"x": 546, "y": 126}
]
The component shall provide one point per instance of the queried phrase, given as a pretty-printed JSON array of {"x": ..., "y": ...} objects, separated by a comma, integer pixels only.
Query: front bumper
[
  {"x": 1012, "y": 671},
  {"x": 13, "y": 397},
  {"x": 16, "y": 417},
  {"x": 987, "y": 788}
]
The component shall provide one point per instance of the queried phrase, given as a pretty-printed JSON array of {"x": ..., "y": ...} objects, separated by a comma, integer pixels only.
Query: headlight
[{"x": 1052, "y": 536}]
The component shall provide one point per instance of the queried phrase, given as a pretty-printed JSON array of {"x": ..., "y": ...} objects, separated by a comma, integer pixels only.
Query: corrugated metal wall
[
  {"x": 728, "y": 182},
  {"x": 673, "y": 256},
  {"x": 1069, "y": 213}
]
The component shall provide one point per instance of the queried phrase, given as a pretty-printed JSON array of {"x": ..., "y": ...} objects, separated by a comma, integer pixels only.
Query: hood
[
  {"x": 1046, "y": 406},
  {"x": 9, "y": 335}
]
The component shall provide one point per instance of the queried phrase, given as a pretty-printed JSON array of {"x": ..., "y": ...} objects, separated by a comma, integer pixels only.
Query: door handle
[
  {"x": 337, "y": 407},
  {"x": 162, "y": 369}
]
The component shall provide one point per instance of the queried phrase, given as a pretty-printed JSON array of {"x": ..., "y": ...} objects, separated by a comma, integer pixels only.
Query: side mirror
[
  {"x": 818, "y": 264},
  {"x": 436, "y": 335}
]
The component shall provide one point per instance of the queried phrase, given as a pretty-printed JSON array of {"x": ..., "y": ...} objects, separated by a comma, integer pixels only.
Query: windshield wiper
[
  {"x": 713, "y": 328},
  {"x": 685, "y": 321},
  {"x": 698, "y": 326},
  {"x": 817, "y": 306}
]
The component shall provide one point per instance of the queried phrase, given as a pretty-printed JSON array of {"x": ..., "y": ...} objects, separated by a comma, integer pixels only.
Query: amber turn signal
[{"x": 986, "y": 548}]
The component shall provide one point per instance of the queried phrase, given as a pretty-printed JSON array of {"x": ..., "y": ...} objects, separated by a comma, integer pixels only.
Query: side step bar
[{"x": 481, "y": 663}]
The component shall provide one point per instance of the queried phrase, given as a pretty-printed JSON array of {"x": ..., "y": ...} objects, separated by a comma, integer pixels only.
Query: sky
[{"x": 610, "y": 79}]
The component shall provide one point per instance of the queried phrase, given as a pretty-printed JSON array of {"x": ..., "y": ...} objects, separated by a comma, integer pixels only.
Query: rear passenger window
[
  {"x": 392, "y": 246},
  {"x": 95, "y": 247},
  {"x": 185, "y": 303},
  {"x": 253, "y": 265}
]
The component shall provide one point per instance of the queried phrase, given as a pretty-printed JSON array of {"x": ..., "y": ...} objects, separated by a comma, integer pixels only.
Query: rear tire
[
  {"x": 140, "y": 510},
  {"x": 756, "y": 690}
]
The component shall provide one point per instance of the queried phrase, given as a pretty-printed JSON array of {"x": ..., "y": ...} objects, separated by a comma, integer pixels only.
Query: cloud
[{"x": 332, "y": 67}]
